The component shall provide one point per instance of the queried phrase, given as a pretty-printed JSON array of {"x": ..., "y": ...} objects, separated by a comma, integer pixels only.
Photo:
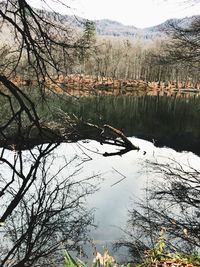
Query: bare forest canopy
[
  {"x": 39, "y": 47},
  {"x": 136, "y": 49},
  {"x": 44, "y": 47},
  {"x": 43, "y": 209},
  {"x": 54, "y": 53},
  {"x": 148, "y": 59}
]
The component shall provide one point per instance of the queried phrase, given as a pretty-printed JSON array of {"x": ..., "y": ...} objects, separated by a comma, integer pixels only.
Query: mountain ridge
[
  {"x": 112, "y": 28},
  {"x": 118, "y": 29},
  {"x": 108, "y": 27}
]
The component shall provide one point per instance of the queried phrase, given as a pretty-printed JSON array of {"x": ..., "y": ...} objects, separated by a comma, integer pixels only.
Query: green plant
[
  {"x": 158, "y": 255},
  {"x": 104, "y": 260}
]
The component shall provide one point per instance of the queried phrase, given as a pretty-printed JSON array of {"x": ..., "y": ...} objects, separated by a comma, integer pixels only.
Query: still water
[
  {"x": 157, "y": 125},
  {"x": 122, "y": 182},
  {"x": 167, "y": 121},
  {"x": 152, "y": 123}
]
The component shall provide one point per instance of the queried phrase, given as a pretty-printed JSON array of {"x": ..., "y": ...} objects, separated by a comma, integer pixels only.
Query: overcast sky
[{"x": 139, "y": 13}]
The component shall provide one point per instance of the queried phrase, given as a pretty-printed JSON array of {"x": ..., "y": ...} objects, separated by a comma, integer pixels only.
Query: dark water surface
[{"x": 167, "y": 121}]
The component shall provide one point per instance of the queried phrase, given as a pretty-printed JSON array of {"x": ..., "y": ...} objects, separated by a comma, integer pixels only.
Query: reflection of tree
[
  {"x": 173, "y": 204},
  {"x": 18, "y": 172},
  {"x": 42, "y": 209},
  {"x": 40, "y": 213},
  {"x": 39, "y": 37}
]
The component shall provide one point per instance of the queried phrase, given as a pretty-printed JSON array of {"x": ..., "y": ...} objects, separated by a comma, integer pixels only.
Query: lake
[
  {"x": 163, "y": 128},
  {"x": 122, "y": 183},
  {"x": 125, "y": 180},
  {"x": 166, "y": 121},
  {"x": 157, "y": 125}
]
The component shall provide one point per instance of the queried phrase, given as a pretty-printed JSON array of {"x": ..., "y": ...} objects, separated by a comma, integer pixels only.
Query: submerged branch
[{"x": 71, "y": 130}]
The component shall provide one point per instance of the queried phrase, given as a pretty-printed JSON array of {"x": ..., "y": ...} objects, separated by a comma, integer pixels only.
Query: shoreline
[{"x": 86, "y": 85}]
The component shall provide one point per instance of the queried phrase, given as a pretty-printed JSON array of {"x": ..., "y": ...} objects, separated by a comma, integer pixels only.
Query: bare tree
[
  {"x": 186, "y": 42},
  {"x": 37, "y": 35},
  {"x": 40, "y": 213},
  {"x": 43, "y": 210},
  {"x": 172, "y": 204}
]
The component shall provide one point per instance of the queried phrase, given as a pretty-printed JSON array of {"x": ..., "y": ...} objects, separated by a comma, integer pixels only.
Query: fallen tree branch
[{"x": 71, "y": 130}]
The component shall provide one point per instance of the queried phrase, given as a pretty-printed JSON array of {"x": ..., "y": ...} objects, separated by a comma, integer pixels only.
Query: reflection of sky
[{"x": 124, "y": 180}]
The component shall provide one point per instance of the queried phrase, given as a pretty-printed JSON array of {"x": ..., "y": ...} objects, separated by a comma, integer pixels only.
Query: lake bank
[{"x": 87, "y": 85}]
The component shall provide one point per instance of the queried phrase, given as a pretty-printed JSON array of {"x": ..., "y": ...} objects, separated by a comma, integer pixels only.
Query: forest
[{"x": 44, "y": 215}]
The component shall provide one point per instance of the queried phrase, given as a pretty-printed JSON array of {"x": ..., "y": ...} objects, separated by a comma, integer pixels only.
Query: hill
[
  {"x": 184, "y": 22},
  {"x": 108, "y": 28},
  {"x": 113, "y": 28}
]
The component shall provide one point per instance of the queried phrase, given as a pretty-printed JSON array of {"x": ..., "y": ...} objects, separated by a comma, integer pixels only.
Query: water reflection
[
  {"x": 124, "y": 182},
  {"x": 167, "y": 121},
  {"x": 42, "y": 207},
  {"x": 38, "y": 183},
  {"x": 68, "y": 176}
]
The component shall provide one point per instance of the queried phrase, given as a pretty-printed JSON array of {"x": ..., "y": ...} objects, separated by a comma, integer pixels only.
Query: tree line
[
  {"x": 39, "y": 213},
  {"x": 162, "y": 59}
]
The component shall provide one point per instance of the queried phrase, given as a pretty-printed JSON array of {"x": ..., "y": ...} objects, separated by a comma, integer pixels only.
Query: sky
[{"x": 138, "y": 13}]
